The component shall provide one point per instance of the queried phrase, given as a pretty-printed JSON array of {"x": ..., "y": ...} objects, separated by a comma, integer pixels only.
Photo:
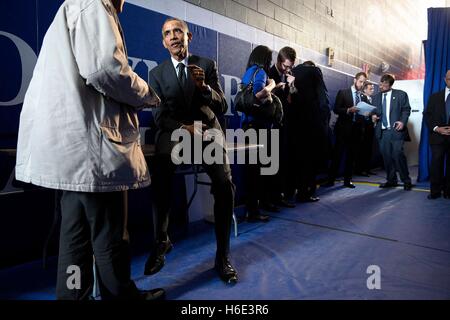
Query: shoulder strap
[{"x": 254, "y": 75}]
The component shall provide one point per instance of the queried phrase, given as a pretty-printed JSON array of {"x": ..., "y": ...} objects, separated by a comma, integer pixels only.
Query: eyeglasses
[{"x": 286, "y": 67}]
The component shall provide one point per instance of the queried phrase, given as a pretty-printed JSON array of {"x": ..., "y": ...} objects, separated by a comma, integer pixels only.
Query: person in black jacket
[
  {"x": 281, "y": 73},
  {"x": 364, "y": 154},
  {"x": 437, "y": 118},
  {"x": 347, "y": 130},
  {"x": 189, "y": 88},
  {"x": 308, "y": 129}
]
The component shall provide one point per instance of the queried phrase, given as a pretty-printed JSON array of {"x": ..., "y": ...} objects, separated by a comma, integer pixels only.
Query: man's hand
[
  {"x": 198, "y": 74},
  {"x": 375, "y": 118},
  {"x": 352, "y": 110},
  {"x": 398, "y": 126},
  {"x": 290, "y": 79},
  {"x": 195, "y": 130},
  {"x": 445, "y": 131},
  {"x": 281, "y": 85},
  {"x": 270, "y": 82},
  {"x": 156, "y": 101}
]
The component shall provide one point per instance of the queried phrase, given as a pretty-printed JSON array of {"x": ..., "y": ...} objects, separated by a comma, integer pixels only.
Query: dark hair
[
  {"x": 183, "y": 23},
  {"x": 309, "y": 63},
  {"x": 360, "y": 74},
  {"x": 366, "y": 84},
  {"x": 287, "y": 53},
  {"x": 261, "y": 56},
  {"x": 389, "y": 78}
]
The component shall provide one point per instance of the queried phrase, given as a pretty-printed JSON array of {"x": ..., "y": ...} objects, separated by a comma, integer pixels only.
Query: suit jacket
[
  {"x": 344, "y": 123},
  {"x": 182, "y": 106},
  {"x": 400, "y": 111},
  {"x": 280, "y": 93},
  {"x": 436, "y": 115},
  {"x": 366, "y": 99}
]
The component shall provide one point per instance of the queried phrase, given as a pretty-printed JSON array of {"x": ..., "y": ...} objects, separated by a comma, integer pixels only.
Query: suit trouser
[
  {"x": 394, "y": 158},
  {"x": 307, "y": 162},
  {"x": 440, "y": 180},
  {"x": 280, "y": 179},
  {"x": 364, "y": 154},
  {"x": 345, "y": 142},
  {"x": 93, "y": 224},
  {"x": 222, "y": 189}
]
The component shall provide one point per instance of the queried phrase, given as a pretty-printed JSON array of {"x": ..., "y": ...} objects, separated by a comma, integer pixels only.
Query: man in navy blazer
[
  {"x": 348, "y": 130},
  {"x": 189, "y": 89},
  {"x": 437, "y": 118},
  {"x": 392, "y": 115}
]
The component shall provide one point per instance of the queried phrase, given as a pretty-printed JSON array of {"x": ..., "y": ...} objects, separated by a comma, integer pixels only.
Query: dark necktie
[
  {"x": 181, "y": 74},
  {"x": 384, "y": 116},
  {"x": 357, "y": 100},
  {"x": 447, "y": 108}
]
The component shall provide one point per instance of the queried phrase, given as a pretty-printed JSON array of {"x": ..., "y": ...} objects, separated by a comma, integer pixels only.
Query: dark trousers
[
  {"x": 346, "y": 142},
  {"x": 222, "y": 189},
  {"x": 307, "y": 171},
  {"x": 394, "y": 158},
  {"x": 92, "y": 224},
  {"x": 280, "y": 179},
  {"x": 440, "y": 179},
  {"x": 260, "y": 188},
  {"x": 364, "y": 153}
]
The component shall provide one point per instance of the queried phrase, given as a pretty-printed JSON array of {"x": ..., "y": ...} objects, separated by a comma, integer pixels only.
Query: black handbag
[{"x": 246, "y": 102}]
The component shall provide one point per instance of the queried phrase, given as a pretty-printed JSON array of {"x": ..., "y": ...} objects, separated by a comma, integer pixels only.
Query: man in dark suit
[
  {"x": 364, "y": 153},
  {"x": 281, "y": 73},
  {"x": 347, "y": 129},
  {"x": 189, "y": 89},
  {"x": 392, "y": 115},
  {"x": 437, "y": 118}
]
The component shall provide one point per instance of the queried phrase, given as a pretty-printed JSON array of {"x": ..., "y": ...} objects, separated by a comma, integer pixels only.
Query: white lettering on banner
[
  {"x": 227, "y": 85},
  {"x": 28, "y": 60},
  {"x": 149, "y": 63}
]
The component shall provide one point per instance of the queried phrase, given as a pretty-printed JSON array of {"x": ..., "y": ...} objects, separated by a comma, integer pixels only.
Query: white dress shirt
[{"x": 175, "y": 65}]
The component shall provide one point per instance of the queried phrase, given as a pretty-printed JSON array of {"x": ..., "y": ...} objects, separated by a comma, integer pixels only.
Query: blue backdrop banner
[{"x": 437, "y": 62}]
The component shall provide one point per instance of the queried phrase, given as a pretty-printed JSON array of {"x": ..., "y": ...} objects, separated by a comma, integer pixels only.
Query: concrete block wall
[{"x": 361, "y": 32}]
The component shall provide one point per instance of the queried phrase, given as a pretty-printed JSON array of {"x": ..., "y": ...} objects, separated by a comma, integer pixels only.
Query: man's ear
[
  {"x": 189, "y": 36},
  {"x": 164, "y": 44}
]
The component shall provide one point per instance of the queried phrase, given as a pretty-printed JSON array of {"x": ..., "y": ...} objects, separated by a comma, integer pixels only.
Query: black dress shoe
[
  {"x": 257, "y": 217},
  {"x": 388, "y": 185},
  {"x": 349, "y": 185},
  {"x": 269, "y": 207},
  {"x": 157, "y": 257},
  {"x": 407, "y": 187},
  {"x": 285, "y": 204},
  {"x": 225, "y": 270},
  {"x": 308, "y": 199},
  {"x": 154, "y": 294},
  {"x": 433, "y": 196}
]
